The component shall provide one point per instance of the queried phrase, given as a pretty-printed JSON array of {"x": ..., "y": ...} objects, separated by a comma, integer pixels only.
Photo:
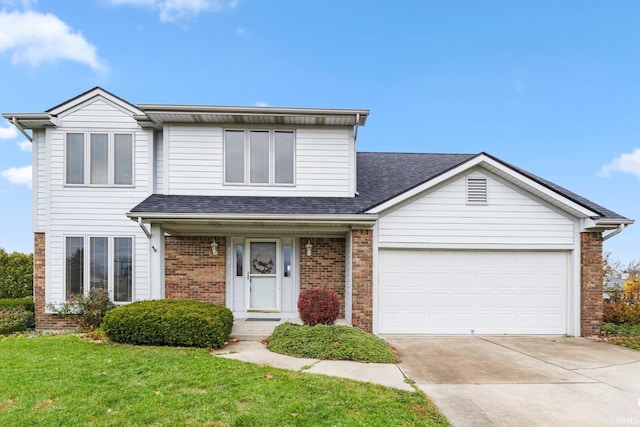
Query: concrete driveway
[{"x": 524, "y": 381}]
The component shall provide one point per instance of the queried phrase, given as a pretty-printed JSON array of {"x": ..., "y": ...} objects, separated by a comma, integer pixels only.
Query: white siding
[
  {"x": 159, "y": 163},
  {"x": 98, "y": 113},
  {"x": 443, "y": 219},
  {"x": 196, "y": 163},
  {"x": 95, "y": 211},
  {"x": 39, "y": 181}
]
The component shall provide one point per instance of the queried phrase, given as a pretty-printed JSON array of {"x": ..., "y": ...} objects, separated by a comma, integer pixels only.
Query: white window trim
[
  {"x": 111, "y": 158},
  {"x": 247, "y": 157},
  {"x": 87, "y": 264}
]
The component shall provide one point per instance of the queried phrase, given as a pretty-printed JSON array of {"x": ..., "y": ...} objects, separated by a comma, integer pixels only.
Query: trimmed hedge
[
  {"x": 182, "y": 323},
  {"x": 15, "y": 320},
  {"x": 330, "y": 342},
  {"x": 26, "y": 303}
]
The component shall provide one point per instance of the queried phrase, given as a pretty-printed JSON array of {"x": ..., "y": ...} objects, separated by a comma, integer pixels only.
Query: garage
[{"x": 472, "y": 291}]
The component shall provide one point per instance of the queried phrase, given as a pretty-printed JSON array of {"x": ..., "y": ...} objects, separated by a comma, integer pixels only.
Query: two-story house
[{"x": 247, "y": 206}]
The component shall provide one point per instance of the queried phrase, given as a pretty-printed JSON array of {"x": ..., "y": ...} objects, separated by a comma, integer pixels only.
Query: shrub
[
  {"x": 15, "y": 320},
  {"x": 625, "y": 335},
  {"x": 333, "y": 342},
  {"x": 318, "y": 306},
  {"x": 26, "y": 303},
  {"x": 16, "y": 274},
  {"x": 621, "y": 312},
  {"x": 87, "y": 311},
  {"x": 169, "y": 322}
]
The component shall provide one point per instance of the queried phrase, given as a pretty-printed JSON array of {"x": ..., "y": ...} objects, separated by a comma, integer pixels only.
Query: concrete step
[{"x": 258, "y": 330}]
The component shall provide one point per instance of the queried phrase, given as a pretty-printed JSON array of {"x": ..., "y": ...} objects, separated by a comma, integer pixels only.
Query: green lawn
[{"x": 67, "y": 381}]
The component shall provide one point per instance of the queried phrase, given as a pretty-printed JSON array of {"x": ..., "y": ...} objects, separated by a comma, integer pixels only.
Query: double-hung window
[
  {"x": 98, "y": 262},
  {"x": 262, "y": 157},
  {"x": 99, "y": 158}
]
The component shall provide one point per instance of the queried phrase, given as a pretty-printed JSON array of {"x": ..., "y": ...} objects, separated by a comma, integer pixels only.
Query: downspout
[
  {"x": 146, "y": 231},
  {"x": 355, "y": 152},
  {"x": 21, "y": 129},
  {"x": 614, "y": 232}
]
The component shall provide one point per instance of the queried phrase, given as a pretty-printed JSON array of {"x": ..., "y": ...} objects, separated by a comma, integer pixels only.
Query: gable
[
  {"x": 97, "y": 112},
  {"x": 443, "y": 217}
]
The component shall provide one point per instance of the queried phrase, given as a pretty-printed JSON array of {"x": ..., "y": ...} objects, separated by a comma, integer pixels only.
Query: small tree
[{"x": 16, "y": 274}]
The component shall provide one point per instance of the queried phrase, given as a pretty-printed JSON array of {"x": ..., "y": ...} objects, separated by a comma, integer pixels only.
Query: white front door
[{"x": 262, "y": 275}]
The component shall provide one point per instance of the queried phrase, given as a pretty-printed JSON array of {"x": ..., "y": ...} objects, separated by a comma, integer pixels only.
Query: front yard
[{"x": 65, "y": 380}]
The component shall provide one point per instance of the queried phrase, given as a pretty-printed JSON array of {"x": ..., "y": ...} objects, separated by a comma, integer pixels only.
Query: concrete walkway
[
  {"x": 524, "y": 380},
  {"x": 386, "y": 374}
]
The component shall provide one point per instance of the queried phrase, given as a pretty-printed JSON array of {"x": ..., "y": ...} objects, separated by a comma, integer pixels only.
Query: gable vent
[{"x": 476, "y": 191}]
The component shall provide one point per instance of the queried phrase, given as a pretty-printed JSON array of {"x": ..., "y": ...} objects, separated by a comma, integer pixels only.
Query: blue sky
[{"x": 552, "y": 87}]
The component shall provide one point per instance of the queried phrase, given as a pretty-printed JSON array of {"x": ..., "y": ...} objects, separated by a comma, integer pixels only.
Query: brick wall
[
  {"x": 325, "y": 268},
  {"x": 192, "y": 271},
  {"x": 590, "y": 283},
  {"x": 44, "y": 320},
  {"x": 362, "y": 281}
]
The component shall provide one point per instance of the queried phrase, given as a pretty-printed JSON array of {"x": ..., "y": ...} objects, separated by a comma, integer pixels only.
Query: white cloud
[
  {"x": 261, "y": 104},
  {"x": 627, "y": 163},
  {"x": 34, "y": 38},
  {"x": 18, "y": 176},
  {"x": 241, "y": 31},
  {"x": 25, "y": 145},
  {"x": 179, "y": 10},
  {"x": 9, "y": 132}
]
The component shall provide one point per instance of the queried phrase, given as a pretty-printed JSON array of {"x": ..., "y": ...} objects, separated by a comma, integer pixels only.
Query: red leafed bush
[{"x": 318, "y": 306}]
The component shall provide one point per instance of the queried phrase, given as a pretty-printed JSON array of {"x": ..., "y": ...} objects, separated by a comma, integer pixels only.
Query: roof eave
[{"x": 367, "y": 220}]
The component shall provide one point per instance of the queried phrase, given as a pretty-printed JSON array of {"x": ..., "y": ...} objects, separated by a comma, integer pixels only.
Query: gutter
[{"x": 244, "y": 218}]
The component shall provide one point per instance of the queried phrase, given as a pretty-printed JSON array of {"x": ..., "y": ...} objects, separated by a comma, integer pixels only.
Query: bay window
[
  {"x": 97, "y": 262},
  {"x": 261, "y": 157},
  {"x": 99, "y": 158}
]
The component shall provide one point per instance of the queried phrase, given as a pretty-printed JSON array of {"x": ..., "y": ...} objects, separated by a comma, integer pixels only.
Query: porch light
[
  {"x": 309, "y": 246},
  {"x": 214, "y": 247}
]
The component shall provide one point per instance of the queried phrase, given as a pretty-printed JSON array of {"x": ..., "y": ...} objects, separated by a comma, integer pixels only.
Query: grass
[
  {"x": 68, "y": 381},
  {"x": 624, "y": 334},
  {"x": 332, "y": 342}
]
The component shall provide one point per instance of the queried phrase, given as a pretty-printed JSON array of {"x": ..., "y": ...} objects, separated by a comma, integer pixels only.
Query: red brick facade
[
  {"x": 325, "y": 268},
  {"x": 590, "y": 283},
  {"x": 362, "y": 281},
  {"x": 44, "y": 320},
  {"x": 192, "y": 271}
]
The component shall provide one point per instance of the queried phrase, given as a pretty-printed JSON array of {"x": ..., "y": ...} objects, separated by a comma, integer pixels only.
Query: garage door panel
[{"x": 481, "y": 291}]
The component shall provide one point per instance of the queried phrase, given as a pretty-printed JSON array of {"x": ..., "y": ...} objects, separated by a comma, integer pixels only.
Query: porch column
[
  {"x": 156, "y": 259},
  {"x": 362, "y": 278},
  {"x": 591, "y": 287}
]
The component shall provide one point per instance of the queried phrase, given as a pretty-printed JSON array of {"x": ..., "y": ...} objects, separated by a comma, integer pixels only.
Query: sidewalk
[{"x": 386, "y": 374}]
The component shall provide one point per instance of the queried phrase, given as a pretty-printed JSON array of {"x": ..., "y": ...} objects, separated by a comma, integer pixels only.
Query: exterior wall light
[
  {"x": 214, "y": 247},
  {"x": 309, "y": 246}
]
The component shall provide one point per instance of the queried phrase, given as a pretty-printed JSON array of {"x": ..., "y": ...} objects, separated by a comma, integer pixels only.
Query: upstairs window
[
  {"x": 262, "y": 157},
  {"x": 99, "y": 158}
]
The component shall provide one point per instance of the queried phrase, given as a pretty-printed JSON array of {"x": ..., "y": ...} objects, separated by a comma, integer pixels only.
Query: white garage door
[{"x": 462, "y": 292}]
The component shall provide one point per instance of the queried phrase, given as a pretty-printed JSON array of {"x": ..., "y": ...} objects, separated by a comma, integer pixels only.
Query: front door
[{"x": 262, "y": 275}]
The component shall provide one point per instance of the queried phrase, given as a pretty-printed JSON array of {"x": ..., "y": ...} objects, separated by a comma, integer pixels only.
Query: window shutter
[{"x": 476, "y": 191}]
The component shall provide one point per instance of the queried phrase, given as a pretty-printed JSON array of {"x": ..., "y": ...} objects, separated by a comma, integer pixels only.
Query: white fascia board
[
  {"x": 97, "y": 92},
  {"x": 359, "y": 219},
  {"x": 481, "y": 160},
  {"x": 605, "y": 224}
]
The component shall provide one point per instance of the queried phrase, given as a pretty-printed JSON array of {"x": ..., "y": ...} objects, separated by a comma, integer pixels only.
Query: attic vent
[{"x": 476, "y": 191}]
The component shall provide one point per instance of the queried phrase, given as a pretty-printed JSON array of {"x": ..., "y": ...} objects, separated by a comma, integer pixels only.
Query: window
[
  {"x": 239, "y": 260},
  {"x": 107, "y": 160},
  {"x": 262, "y": 157},
  {"x": 286, "y": 250},
  {"x": 107, "y": 265}
]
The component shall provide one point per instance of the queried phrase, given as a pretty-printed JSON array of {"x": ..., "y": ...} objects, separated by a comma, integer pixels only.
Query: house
[{"x": 247, "y": 206}]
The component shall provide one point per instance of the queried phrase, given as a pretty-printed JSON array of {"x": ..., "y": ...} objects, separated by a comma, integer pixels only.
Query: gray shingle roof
[{"x": 381, "y": 176}]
